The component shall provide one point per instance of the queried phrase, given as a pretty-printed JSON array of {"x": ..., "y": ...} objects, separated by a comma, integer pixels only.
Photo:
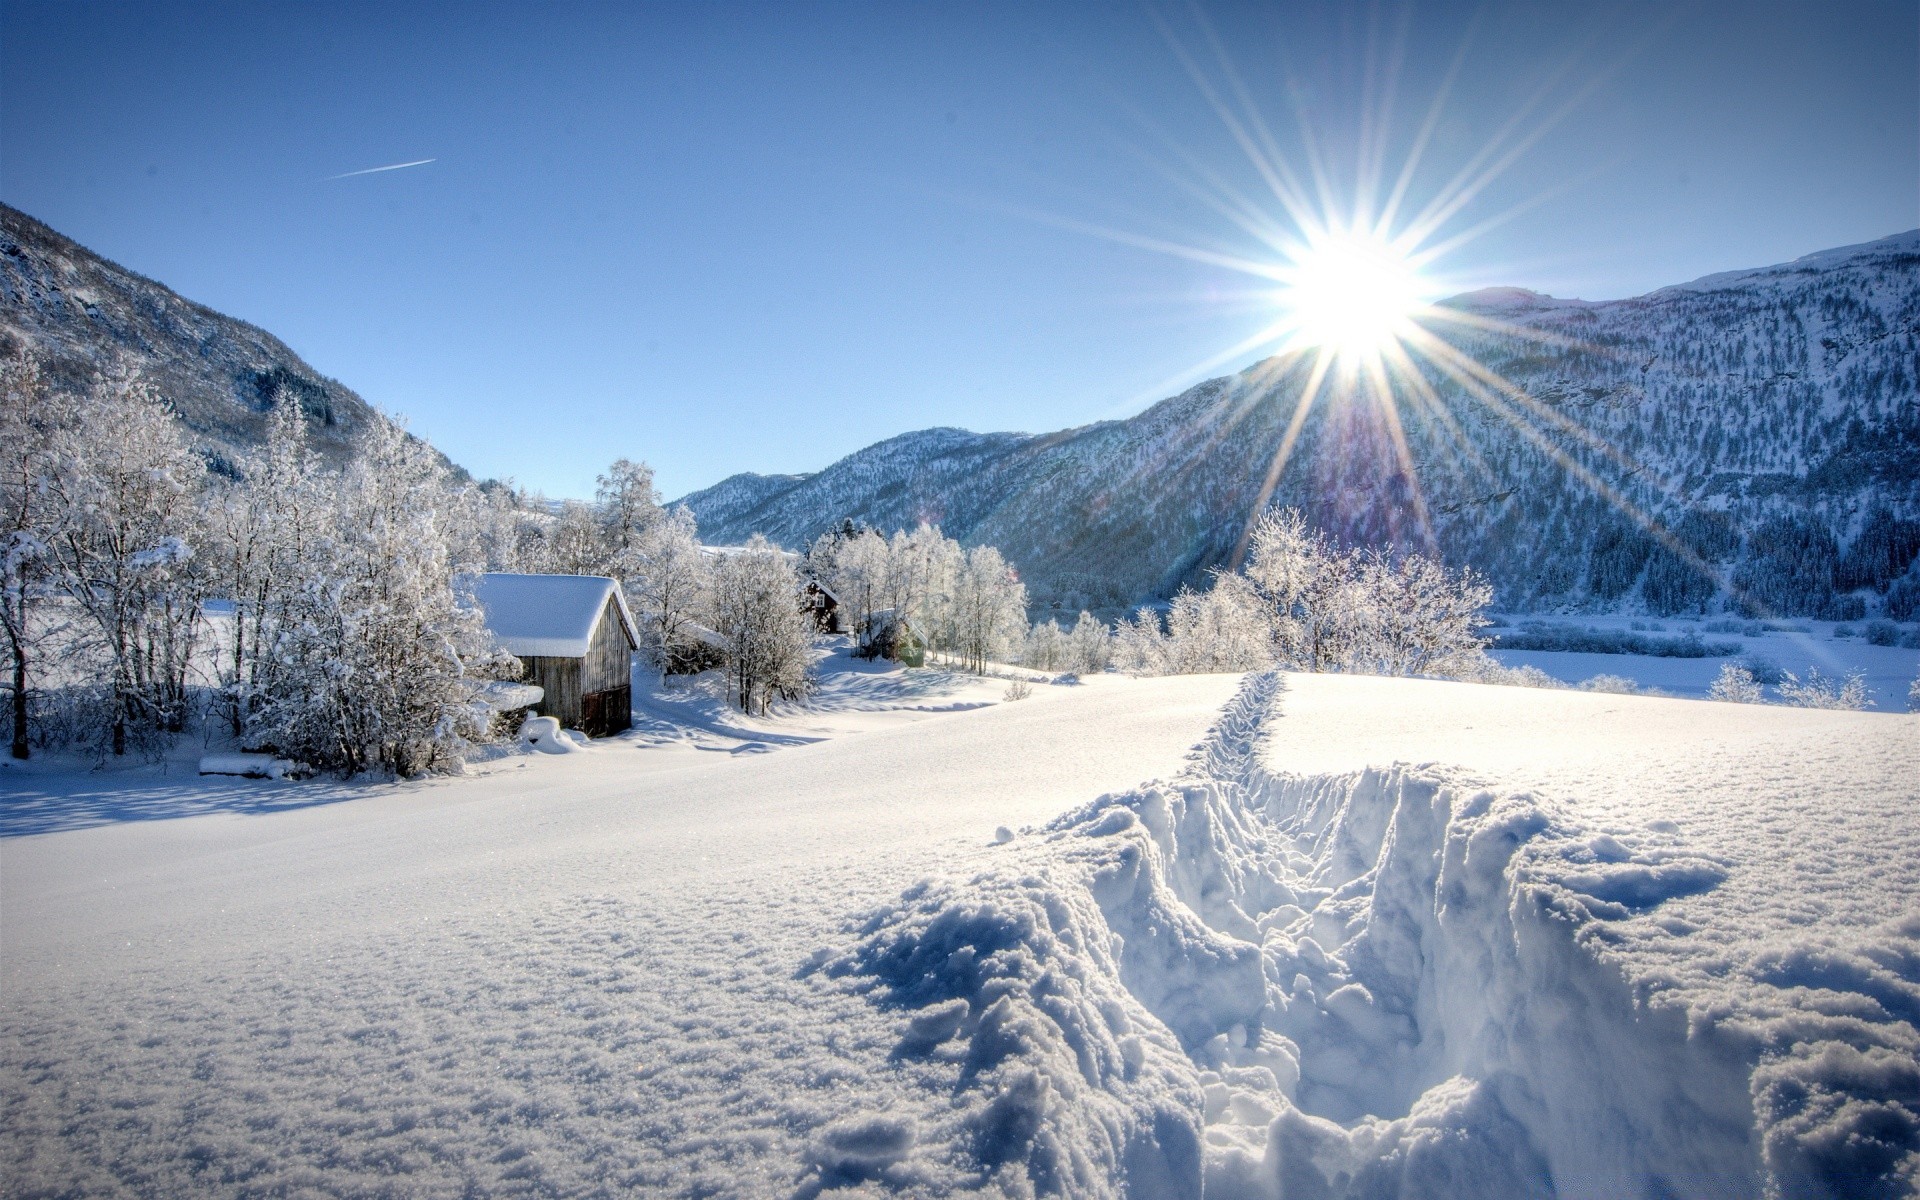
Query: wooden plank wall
[
  {"x": 609, "y": 662},
  {"x": 561, "y": 679}
]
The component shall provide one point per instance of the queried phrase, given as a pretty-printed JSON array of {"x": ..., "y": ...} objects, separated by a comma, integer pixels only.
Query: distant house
[
  {"x": 829, "y": 615},
  {"x": 575, "y": 637},
  {"x": 891, "y": 636}
]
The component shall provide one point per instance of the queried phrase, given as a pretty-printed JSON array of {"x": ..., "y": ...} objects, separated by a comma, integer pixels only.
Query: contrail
[{"x": 418, "y": 162}]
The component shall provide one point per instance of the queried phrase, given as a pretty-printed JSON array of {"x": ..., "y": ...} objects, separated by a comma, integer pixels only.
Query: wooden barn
[{"x": 575, "y": 637}]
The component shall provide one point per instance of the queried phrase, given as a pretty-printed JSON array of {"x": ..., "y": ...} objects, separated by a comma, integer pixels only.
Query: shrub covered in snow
[
  {"x": 1736, "y": 684},
  {"x": 1304, "y": 604},
  {"x": 1817, "y": 691}
]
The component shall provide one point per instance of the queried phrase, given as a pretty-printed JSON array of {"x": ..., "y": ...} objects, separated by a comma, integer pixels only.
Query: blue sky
[{"x": 728, "y": 238}]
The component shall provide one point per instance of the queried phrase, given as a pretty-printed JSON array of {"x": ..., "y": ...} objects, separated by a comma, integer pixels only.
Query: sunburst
[{"x": 1351, "y": 278}]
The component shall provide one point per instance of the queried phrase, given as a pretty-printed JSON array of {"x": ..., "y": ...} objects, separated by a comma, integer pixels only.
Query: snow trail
[{"x": 1385, "y": 982}]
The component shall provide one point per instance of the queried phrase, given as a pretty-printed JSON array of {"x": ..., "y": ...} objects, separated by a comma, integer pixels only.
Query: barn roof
[{"x": 549, "y": 615}]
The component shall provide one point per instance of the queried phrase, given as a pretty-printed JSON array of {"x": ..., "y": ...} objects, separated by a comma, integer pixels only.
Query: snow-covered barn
[{"x": 575, "y": 636}]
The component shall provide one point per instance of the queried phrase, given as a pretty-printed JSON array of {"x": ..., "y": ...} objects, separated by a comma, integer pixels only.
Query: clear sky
[{"x": 727, "y": 238}]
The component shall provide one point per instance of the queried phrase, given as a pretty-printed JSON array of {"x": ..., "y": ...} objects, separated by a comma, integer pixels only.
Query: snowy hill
[
  {"x": 1531, "y": 964},
  {"x": 1767, "y": 418},
  {"x": 83, "y": 314}
]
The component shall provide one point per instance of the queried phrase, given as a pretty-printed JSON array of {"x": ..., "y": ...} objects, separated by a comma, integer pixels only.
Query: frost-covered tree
[
  {"x": 1309, "y": 589},
  {"x": 1089, "y": 646},
  {"x": 754, "y": 605},
  {"x": 127, "y": 489},
  {"x": 921, "y": 568},
  {"x": 575, "y": 544},
  {"x": 628, "y": 507},
  {"x": 31, "y": 415},
  {"x": 1415, "y": 617},
  {"x": 1817, "y": 691},
  {"x": 265, "y": 533},
  {"x": 1736, "y": 685},
  {"x": 983, "y": 613},
  {"x": 1047, "y": 646},
  {"x": 1364, "y": 611},
  {"x": 854, "y": 565},
  {"x": 1139, "y": 644},
  {"x": 1303, "y": 604},
  {"x": 382, "y": 658},
  {"x": 666, "y": 580},
  {"x": 1225, "y": 628}
]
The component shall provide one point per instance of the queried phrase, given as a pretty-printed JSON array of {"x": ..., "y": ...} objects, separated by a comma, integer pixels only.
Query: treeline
[{"x": 344, "y": 643}]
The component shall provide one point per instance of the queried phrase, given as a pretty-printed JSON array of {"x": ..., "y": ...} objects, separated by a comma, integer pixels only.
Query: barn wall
[
  {"x": 561, "y": 679},
  {"x": 609, "y": 661}
]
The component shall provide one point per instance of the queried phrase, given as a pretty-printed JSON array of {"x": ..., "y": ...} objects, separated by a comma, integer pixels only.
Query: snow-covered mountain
[
  {"x": 1765, "y": 421},
  {"x": 83, "y": 314}
]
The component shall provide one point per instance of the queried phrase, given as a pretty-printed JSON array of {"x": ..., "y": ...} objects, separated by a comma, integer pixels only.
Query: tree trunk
[{"x": 19, "y": 703}]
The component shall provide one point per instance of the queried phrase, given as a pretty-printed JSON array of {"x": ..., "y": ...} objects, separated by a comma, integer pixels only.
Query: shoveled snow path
[{"x": 572, "y": 977}]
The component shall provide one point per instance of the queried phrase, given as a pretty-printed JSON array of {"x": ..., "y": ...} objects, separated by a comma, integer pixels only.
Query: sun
[{"x": 1351, "y": 296}]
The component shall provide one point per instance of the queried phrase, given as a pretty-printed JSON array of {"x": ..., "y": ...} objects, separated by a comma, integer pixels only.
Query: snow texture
[
  {"x": 548, "y": 615},
  {"x": 250, "y": 766},
  {"x": 1377, "y": 937},
  {"x": 1406, "y": 981}
]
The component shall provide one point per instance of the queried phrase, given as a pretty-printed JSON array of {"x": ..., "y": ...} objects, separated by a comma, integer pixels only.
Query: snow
[
  {"x": 1363, "y": 937},
  {"x": 252, "y": 766},
  {"x": 547, "y": 615},
  {"x": 1888, "y": 671}
]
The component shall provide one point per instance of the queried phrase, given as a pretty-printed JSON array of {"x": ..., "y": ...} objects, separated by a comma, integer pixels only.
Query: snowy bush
[
  {"x": 1489, "y": 670},
  {"x": 1820, "y": 692},
  {"x": 1883, "y": 633},
  {"x": 1019, "y": 689},
  {"x": 1615, "y": 684},
  {"x": 1735, "y": 684}
]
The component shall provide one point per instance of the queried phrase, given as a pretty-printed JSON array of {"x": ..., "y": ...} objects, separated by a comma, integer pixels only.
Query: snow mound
[
  {"x": 545, "y": 735},
  {"x": 1385, "y": 982},
  {"x": 252, "y": 766}
]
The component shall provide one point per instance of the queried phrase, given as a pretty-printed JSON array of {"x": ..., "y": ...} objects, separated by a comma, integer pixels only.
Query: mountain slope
[
  {"x": 1764, "y": 423},
  {"x": 83, "y": 314}
]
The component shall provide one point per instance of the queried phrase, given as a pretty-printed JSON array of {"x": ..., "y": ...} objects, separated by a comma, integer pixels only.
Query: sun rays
[{"x": 1349, "y": 259}]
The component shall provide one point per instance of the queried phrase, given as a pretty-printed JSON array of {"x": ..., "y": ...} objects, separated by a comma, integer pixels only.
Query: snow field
[
  {"x": 1389, "y": 980},
  {"x": 1888, "y": 671},
  {"x": 579, "y": 976},
  {"x": 1377, "y": 937}
]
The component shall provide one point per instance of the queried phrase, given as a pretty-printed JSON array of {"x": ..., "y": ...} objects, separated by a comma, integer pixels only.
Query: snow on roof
[{"x": 548, "y": 615}]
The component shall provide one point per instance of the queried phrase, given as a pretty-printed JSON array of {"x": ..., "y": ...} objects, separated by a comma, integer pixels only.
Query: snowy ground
[
  {"x": 1373, "y": 937},
  {"x": 1805, "y": 647}
]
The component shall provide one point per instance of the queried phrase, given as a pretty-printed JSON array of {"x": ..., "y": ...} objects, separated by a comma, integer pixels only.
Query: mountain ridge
[
  {"x": 84, "y": 314},
  {"x": 1771, "y": 406}
]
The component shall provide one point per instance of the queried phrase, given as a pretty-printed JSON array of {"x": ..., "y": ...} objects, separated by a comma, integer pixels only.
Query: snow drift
[{"x": 1391, "y": 982}]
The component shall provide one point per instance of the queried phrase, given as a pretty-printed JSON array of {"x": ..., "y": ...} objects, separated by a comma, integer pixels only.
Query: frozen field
[
  {"x": 1373, "y": 937},
  {"x": 1808, "y": 646}
]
